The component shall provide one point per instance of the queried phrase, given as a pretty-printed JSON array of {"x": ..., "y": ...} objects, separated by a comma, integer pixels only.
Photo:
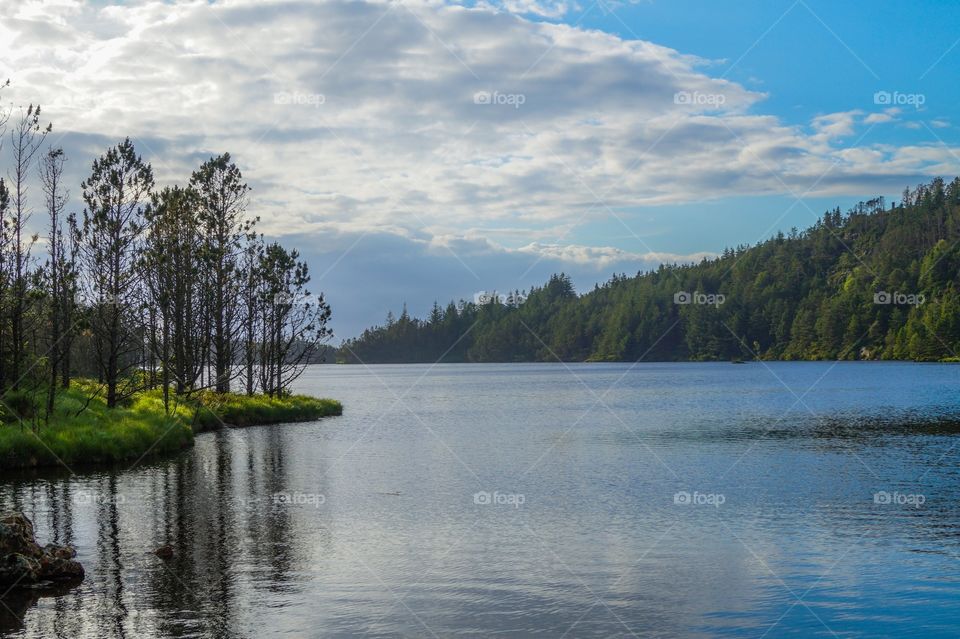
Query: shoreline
[
  {"x": 946, "y": 360},
  {"x": 141, "y": 429}
]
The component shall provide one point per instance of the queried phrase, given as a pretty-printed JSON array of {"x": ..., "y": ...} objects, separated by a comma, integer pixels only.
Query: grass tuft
[{"x": 230, "y": 409}]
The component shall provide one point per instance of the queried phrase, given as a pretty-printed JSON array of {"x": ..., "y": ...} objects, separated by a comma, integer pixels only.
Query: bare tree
[
  {"x": 117, "y": 195},
  {"x": 172, "y": 267},
  {"x": 4, "y": 277},
  {"x": 252, "y": 302},
  {"x": 59, "y": 270},
  {"x": 4, "y": 118},
  {"x": 293, "y": 324},
  {"x": 223, "y": 203},
  {"x": 70, "y": 290},
  {"x": 175, "y": 283},
  {"x": 27, "y": 137}
]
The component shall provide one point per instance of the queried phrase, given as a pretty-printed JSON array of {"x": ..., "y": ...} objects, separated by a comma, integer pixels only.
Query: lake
[{"x": 589, "y": 500}]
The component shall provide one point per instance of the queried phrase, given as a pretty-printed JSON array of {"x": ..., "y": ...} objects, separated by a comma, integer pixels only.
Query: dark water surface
[{"x": 657, "y": 500}]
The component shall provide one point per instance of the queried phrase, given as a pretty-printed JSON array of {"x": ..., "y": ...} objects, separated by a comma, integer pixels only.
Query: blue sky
[
  {"x": 810, "y": 58},
  {"x": 420, "y": 150},
  {"x": 813, "y": 56}
]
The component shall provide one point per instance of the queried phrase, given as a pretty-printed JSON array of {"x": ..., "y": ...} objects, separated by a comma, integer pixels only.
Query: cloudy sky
[{"x": 419, "y": 150}]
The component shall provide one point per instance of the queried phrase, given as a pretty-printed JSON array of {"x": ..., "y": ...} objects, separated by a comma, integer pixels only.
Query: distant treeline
[
  {"x": 167, "y": 288},
  {"x": 877, "y": 283}
]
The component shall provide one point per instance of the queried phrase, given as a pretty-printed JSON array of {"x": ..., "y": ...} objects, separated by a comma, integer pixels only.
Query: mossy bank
[{"x": 82, "y": 430}]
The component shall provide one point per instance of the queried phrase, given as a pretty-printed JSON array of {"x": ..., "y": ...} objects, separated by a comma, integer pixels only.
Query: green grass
[
  {"x": 140, "y": 428},
  {"x": 240, "y": 410}
]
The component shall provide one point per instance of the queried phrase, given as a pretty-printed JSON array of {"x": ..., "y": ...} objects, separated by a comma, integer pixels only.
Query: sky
[{"x": 423, "y": 151}]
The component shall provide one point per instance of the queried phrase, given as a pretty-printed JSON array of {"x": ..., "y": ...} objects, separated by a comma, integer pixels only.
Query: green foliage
[
  {"x": 82, "y": 430},
  {"x": 805, "y": 296},
  {"x": 219, "y": 409},
  {"x": 18, "y": 405},
  {"x": 95, "y": 434}
]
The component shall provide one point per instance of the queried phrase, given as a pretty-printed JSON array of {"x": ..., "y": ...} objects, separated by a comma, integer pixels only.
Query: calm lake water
[{"x": 605, "y": 500}]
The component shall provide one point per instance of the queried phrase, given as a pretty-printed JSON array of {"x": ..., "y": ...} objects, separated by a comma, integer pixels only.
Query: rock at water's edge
[
  {"x": 23, "y": 562},
  {"x": 164, "y": 552}
]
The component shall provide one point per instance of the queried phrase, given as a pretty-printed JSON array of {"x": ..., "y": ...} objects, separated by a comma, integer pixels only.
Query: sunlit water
[{"x": 655, "y": 500}]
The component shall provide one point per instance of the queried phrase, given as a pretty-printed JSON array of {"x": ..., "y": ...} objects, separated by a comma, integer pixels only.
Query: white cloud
[
  {"x": 835, "y": 125},
  {"x": 888, "y": 115},
  {"x": 363, "y": 115},
  {"x": 381, "y": 122},
  {"x": 543, "y": 8},
  {"x": 604, "y": 257}
]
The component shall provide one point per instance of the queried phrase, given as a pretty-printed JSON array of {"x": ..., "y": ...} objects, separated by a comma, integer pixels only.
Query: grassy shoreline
[
  {"x": 235, "y": 410},
  {"x": 141, "y": 428}
]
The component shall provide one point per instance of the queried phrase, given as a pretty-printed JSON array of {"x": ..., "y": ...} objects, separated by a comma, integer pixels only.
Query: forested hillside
[{"x": 875, "y": 283}]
